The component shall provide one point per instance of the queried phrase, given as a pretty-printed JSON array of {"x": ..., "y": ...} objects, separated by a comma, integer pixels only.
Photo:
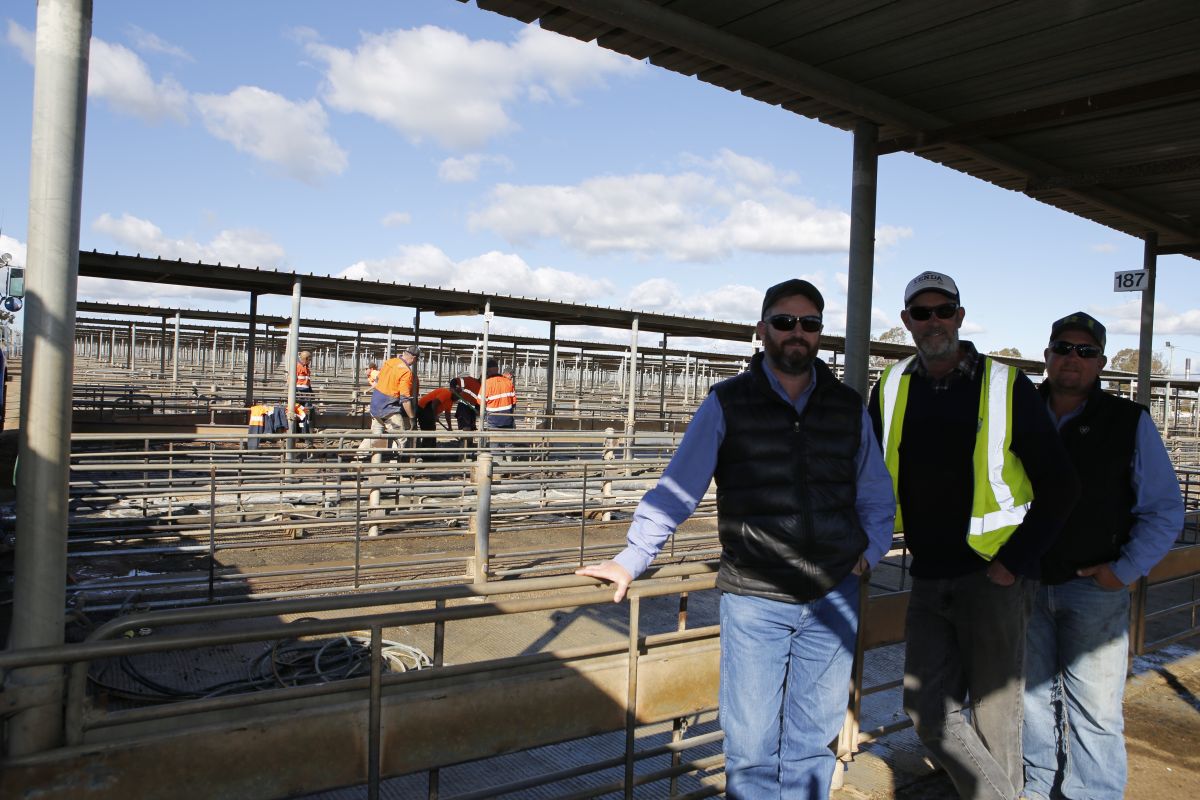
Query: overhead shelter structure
[{"x": 1092, "y": 107}]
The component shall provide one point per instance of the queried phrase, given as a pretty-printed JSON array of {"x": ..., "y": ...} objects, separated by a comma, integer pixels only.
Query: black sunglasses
[
  {"x": 922, "y": 313},
  {"x": 1082, "y": 350},
  {"x": 787, "y": 322}
]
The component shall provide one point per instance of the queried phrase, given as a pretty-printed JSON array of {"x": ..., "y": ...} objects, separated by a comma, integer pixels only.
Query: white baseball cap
[{"x": 931, "y": 282}]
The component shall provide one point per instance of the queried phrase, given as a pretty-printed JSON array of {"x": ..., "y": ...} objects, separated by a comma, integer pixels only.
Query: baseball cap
[
  {"x": 931, "y": 282},
  {"x": 1079, "y": 321},
  {"x": 790, "y": 287},
  {"x": 413, "y": 350}
]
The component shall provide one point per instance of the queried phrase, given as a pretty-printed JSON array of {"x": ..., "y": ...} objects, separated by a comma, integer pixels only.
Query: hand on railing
[{"x": 612, "y": 572}]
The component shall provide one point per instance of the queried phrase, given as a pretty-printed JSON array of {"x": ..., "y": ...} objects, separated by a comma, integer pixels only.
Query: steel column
[
  {"x": 250, "y": 349},
  {"x": 1146, "y": 340},
  {"x": 551, "y": 365},
  {"x": 175, "y": 354},
  {"x": 64, "y": 29},
  {"x": 862, "y": 255},
  {"x": 293, "y": 355}
]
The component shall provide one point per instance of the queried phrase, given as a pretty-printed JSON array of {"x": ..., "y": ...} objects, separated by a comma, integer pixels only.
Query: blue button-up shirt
[
  {"x": 687, "y": 477},
  {"x": 1158, "y": 504}
]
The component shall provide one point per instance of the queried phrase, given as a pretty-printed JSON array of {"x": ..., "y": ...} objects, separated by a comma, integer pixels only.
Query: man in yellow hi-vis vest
[{"x": 982, "y": 487}]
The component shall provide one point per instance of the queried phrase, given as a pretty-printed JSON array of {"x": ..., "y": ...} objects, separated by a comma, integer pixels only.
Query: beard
[
  {"x": 791, "y": 356},
  {"x": 938, "y": 348}
]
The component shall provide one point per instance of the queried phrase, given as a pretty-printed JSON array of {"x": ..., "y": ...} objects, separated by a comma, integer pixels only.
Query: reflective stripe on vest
[
  {"x": 1002, "y": 491},
  {"x": 503, "y": 398},
  {"x": 302, "y": 376}
]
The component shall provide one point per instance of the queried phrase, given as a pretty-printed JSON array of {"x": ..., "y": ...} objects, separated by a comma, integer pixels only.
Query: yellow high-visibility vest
[{"x": 1002, "y": 491}]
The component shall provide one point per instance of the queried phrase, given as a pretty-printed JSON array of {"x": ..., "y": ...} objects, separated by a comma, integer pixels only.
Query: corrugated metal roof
[{"x": 1091, "y": 106}]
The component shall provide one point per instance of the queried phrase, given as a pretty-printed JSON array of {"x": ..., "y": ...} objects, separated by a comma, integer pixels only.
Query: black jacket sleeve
[{"x": 1055, "y": 487}]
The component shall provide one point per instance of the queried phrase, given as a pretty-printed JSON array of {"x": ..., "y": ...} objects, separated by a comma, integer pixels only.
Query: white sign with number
[{"x": 1133, "y": 280}]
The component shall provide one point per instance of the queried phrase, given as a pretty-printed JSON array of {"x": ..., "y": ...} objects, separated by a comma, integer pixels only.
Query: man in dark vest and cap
[
  {"x": 804, "y": 506},
  {"x": 1129, "y": 513}
]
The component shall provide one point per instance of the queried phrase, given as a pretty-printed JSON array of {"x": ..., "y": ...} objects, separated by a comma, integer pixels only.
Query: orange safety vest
[
  {"x": 395, "y": 379},
  {"x": 442, "y": 400},
  {"x": 469, "y": 388},
  {"x": 258, "y": 413},
  {"x": 501, "y": 394},
  {"x": 302, "y": 376}
]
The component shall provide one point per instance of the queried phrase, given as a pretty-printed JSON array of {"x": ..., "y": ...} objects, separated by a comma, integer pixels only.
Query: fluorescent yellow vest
[{"x": 1002, "y": 491}]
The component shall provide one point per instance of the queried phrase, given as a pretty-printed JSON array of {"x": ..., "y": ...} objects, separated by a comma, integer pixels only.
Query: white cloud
[
  {"x": 14, "y": 248},
  {"x": 270, "y": 127},
  {"x": 732, "y": 302},
  {"x": 502, "y": 273},
  {"x": 396, "y": 219},
  {"x": 466, "y": 169},
  {"x": 118, "y": 75},
  {"x": 1104, "y": 247},
  {"x": 146, "y": 41},
  {"x": 237, "y": 246},
  {"x": 21, "y": 38},
  {"x": 434, "y": 83},
  {"x": 1127, "y": 318},
  {"x": 736, "y": 204}
]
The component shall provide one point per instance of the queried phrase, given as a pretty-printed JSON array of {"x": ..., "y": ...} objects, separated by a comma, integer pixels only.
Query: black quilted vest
[
  {"x": 786, "y": 486},
  {"x": 1100, "y": 442}
]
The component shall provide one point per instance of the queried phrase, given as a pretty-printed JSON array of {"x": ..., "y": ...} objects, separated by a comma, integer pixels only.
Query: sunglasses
[
  {"x": 1081, "y": 350},
  {"x": 787, "y": 322},
  {"x": 922, "y": 313}
]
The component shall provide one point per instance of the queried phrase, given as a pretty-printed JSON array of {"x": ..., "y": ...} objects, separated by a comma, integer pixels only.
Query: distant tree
[
  {"x": 1127, "y": 360},
  {"x": 896, "y": 335},
  {"x": 1011, "y": 352}
]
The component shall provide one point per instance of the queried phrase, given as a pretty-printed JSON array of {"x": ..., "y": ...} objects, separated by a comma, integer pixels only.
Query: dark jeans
[{"x": 964, "y": 679}]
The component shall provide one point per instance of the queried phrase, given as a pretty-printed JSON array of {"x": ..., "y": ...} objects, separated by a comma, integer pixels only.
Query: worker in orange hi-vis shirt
[
  {"x": 393, "y": 400},
  {"x": 439, "y": 401}
]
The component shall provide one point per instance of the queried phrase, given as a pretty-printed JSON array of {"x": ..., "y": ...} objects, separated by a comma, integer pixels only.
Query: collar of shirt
[
  {"x": 967, "y": 367},
  {"x": 802, "y": 400},
  {"x": 1065, "y": 418}
]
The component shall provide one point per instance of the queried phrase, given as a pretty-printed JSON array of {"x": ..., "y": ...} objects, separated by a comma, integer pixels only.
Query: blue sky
[{"x": 431, "y": 142}]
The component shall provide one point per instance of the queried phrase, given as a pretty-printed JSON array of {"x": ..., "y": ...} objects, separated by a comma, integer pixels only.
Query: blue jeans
[
  {"x": 1074, "y": 683},
  {"x": 785, "y": 680},
  {"x": 963, "y": 668}
]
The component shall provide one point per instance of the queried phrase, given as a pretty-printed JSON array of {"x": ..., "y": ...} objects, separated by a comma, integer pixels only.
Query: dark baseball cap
[
  {"x": 790, "y": 287},
  {"x": 1079, "y": 321}
]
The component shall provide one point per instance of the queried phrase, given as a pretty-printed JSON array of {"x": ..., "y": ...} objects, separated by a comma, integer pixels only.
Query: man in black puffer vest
[
  {"x": 804, "y": 506},
  {"x": 1129, "y": 513}
]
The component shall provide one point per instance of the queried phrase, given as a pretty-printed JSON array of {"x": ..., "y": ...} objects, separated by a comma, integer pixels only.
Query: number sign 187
[{"x": 1133, "y": 280}]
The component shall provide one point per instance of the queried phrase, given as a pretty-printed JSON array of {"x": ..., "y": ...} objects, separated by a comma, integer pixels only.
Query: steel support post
[
  {"x": 551, "y": 365},
  {"x": 1146, "y": 340},
  {"x": 629, "y": 415},
  {"x": 483, "y": 514},
  {"x": 662, "y": 381},
  {"x": 862, "y": 255},
  {"x": 64, "y": 29},
  {"x": 357, "y": 359},
  {"x": 293, "y": 355},
  {"x": 175, "y": 354},
  {"x": 250, "y": 349},
  {"x": 388, "y": 352},
  {"x": 487, "y": 323}
]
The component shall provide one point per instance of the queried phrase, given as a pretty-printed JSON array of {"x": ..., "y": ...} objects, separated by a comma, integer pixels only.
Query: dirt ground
[{"x": 1162, "y": 736}]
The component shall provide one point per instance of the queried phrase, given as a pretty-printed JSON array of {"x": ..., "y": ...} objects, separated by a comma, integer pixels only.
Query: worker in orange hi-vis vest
[
  {"x": 466, "y": 391},
  {"x": 501, "y": 397},
  {"x": 440, "y": 401},
  {"x": 393, "y": 400}
]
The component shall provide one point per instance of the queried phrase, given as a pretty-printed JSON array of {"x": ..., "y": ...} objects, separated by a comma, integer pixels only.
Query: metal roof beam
[
  {"x": 1144, "y": 95},
  {"x": 650, "y": 20},
  {"x": 1186, "y": 165}
]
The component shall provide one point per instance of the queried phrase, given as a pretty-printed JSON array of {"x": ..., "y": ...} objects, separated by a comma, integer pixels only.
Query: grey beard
[{"x": 936, "y": 350}]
